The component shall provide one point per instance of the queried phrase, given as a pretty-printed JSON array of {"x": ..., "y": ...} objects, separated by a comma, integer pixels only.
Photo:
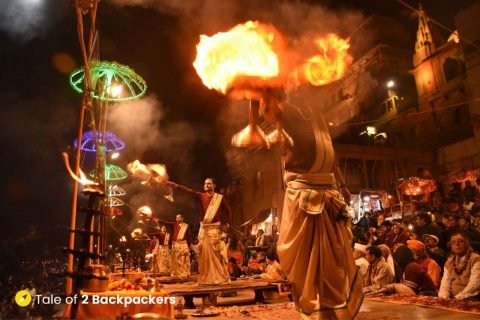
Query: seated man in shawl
[
  {"x": 214, "y": 212},
  {"x": 461, "y": 275},
  {"x": 379, "y": 273}
]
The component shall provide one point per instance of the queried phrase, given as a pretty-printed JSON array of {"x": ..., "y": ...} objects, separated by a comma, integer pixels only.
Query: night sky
[{"x": 179, "y": 122}]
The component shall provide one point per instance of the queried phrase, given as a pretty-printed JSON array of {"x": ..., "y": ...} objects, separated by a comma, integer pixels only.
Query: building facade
[{"x": 391, "y": 118}]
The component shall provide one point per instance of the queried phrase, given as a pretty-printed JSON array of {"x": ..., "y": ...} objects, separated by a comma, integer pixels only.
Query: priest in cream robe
[{"x": 315, "y": 242}]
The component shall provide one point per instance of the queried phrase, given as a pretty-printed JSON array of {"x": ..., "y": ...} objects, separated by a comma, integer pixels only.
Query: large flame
[
  {"x": 83, "y": 178},
  {"x": 331, "y": 64},
  {"x": 247, "y": 50},
  {"x": 253, "y": 56}
]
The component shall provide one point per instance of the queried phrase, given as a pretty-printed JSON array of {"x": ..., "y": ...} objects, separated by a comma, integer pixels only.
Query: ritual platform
[{"x": 261, "y": 288}]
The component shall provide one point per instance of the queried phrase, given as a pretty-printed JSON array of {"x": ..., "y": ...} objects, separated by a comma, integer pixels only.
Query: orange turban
[{"x": 415, "y": 245}]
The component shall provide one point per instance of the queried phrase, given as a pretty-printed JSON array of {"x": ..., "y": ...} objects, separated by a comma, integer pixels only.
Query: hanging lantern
[
  {"x": 112, "y": 142},
  {"x": 111, "y": 81},
  {"x": 113, "y": 202},
  {"x": 112, "y": 173},
  {"x": 116, "y": 191}
]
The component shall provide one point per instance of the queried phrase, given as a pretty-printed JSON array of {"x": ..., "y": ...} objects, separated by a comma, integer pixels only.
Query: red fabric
[
  {"x": 176, "y": 229},
  {"x": 153, "y": 244},
  {"x": 417, "y": 279},
  {"x": 224, "y": 213},
  {"x": 237, "y": 254},
  {"x": 161, "y": 238}
]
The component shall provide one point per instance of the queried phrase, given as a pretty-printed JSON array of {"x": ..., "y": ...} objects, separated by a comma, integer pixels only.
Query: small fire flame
[
  {"x": 252, "y": 55},
  {"x": 145, "y": 211},
  {"x": 83, "y": 178},
  {"x": 158, "y": 171},
  {"x": 247, "y": 50},
  {"x": 332, "y": 64},
  {"x": 136, "y": 233},
  {"x": 113, "y": 211},
  {"x": 123, "y": 239},
  {"x": 149, "y": 172},
  {"x": 138, "y": 170}
]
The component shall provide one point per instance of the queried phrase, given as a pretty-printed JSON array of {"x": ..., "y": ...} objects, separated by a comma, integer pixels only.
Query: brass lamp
[{"x": 251, "y": 136}]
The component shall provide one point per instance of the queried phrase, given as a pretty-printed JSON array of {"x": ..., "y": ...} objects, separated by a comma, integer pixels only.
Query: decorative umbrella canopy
[
  {"x": 112, "y": 173},
  {"x": 111, "y": 81},
  {"x": 415, "y": 186},
  {"x": 113, "y": 202},
  {"x": 116, "y": 191},
  {"x": 112, "y": 142}
]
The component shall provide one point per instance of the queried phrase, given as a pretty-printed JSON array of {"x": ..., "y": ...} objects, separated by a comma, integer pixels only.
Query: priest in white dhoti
[
  {"x": 214, "y": 212},
  {"x": 180, "y": 253},
  {"x": 163, "y": 252}
]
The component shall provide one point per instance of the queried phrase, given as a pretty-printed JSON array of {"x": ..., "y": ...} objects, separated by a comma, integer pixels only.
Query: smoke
[
  {"x": 23, "y": 20},
  {"x": 294, "y": 18},
  {"x": 149, "y": 139},
  {"x": 137, "y": 122}
]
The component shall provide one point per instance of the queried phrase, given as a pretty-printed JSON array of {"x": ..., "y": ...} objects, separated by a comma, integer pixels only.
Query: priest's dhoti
[
  {"x": 180, "y": 259},
  {"x": 314, "y": 248},
  {"x": 212, "y": 260}
]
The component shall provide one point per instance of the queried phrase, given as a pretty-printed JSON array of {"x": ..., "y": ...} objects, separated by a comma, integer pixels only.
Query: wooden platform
[{"x": 210, "y": 292}]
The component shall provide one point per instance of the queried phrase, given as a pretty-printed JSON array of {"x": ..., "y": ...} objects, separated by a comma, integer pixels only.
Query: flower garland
[{"x": 459, "y": 269}]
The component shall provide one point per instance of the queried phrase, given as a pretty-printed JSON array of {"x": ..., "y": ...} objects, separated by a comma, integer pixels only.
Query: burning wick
[
  {"x": 145, "y": 211},
  {"x": 115, "y": 155},
  {"x": 82, "y": 179},
  {"x": 148, "y": 173}
]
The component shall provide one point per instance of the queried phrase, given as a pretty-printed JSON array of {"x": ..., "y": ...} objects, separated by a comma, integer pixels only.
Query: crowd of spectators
[{"x": 430, "y": 251}]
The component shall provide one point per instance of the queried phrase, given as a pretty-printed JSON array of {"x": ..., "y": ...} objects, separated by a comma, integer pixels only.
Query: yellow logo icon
[{"x": 23, "y": 298}]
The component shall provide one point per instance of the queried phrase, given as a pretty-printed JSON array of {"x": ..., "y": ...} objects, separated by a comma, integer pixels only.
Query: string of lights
[
  {"x": 464, "y": 39},
  {"x": 404, "y": 115}
]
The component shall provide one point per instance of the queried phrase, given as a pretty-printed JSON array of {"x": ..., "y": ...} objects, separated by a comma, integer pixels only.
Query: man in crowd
[
  {"x": 399, "y": 234},
  {"x": 379, "y": 273},
  {"x": 433, "y": 250},
  {"x": 429, "y": 265},
  {"x": 425, "y": 225},
  {"x": 414, "y": 279},
  {"x": 359, "y": 253},
  {"x": 214, "y": 212},
  {"x": 461, "y": 275},
  {"x": 262, "y": 240},
  {"x": 273, "y": 270}
]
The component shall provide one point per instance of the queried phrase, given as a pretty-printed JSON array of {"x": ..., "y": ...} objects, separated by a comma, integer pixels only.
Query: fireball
[
  {"x": 250, "y": 51},
  {"x": 252, "y": 57}
]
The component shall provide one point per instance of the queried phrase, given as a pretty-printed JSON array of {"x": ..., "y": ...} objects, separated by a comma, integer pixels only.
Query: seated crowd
[
  {"x": 426, "y": 253},
  {"x": 256, "y": 258}
]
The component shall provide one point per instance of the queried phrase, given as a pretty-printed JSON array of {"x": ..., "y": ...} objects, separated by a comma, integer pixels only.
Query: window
[{"x": 452, "y": 68}]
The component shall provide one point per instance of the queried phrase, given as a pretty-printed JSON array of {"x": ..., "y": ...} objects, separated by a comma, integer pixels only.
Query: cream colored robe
[
  {"x": 212, "y": 259},
  {"x": 315, "y": 239},
  {"x": 180, "y": 255}
]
